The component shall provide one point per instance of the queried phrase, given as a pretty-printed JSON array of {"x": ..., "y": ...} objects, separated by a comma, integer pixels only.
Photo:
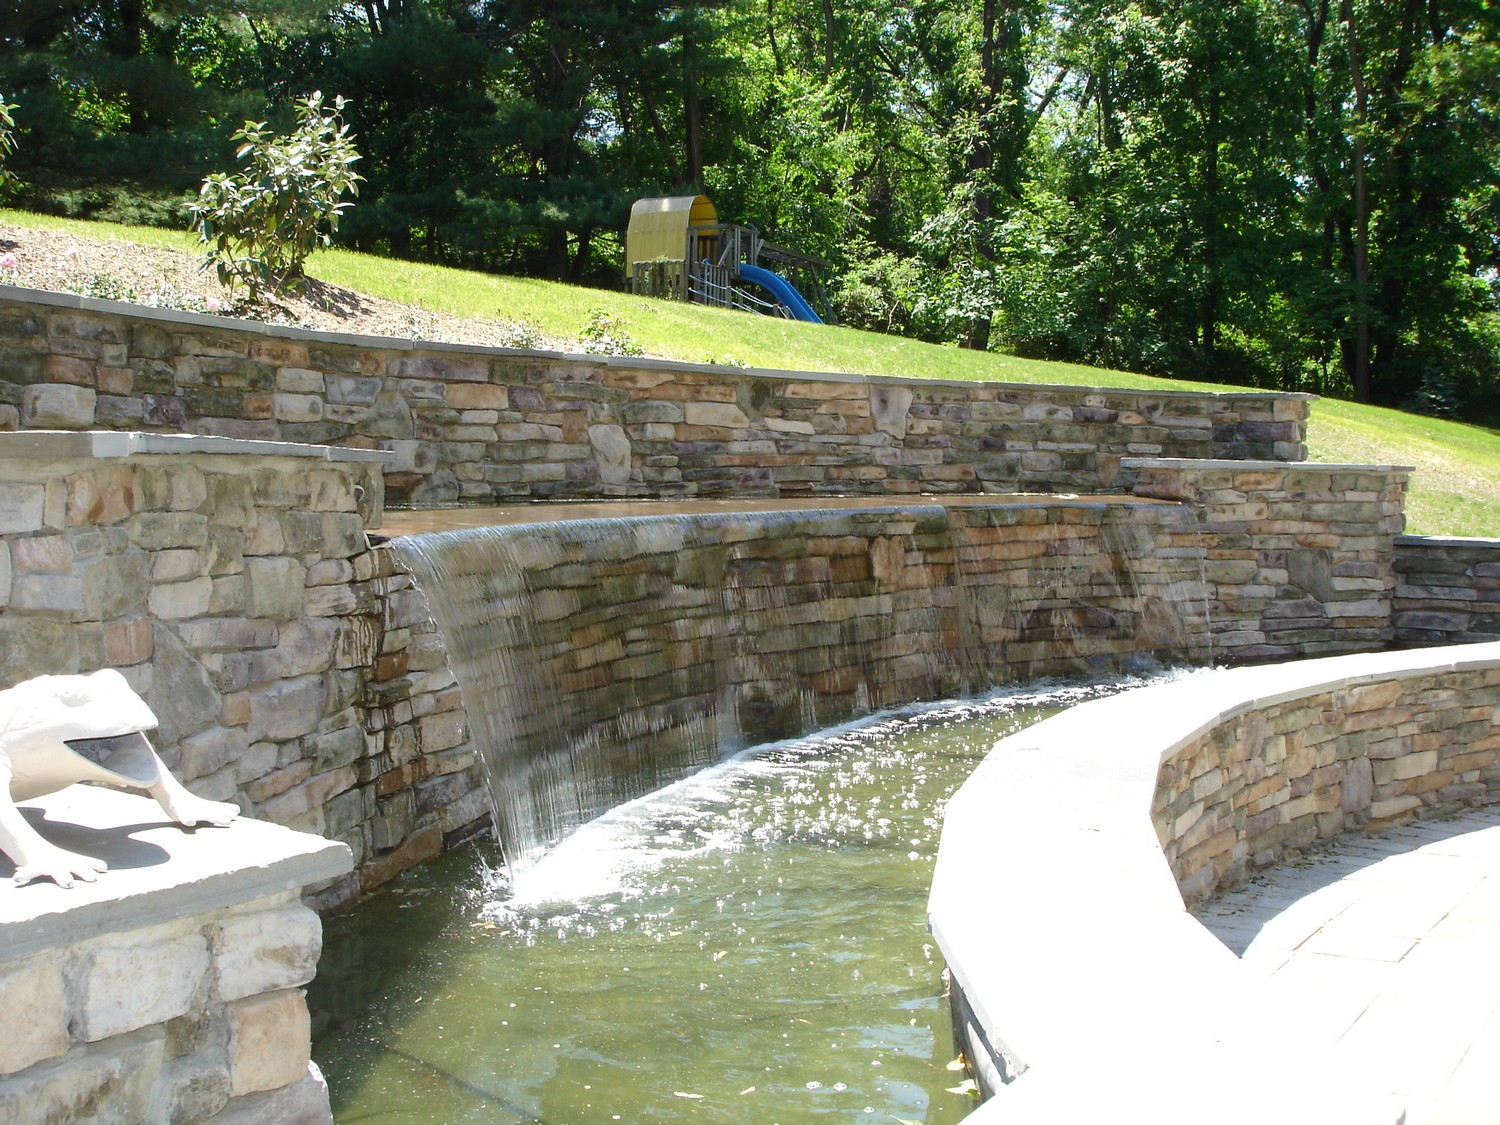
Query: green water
[{"x": 749, "y": 945}]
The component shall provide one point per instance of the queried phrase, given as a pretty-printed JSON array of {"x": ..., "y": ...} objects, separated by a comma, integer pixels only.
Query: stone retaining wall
[
  {"x": 1297, "y": 557},
  {"x": 170, "y": 989},
  {"x": 293, "y": 670},
  {"x": 1118, "y": 811},
  {"x": 1447, "y": 590},
  {"x": 488, "y": 425}
]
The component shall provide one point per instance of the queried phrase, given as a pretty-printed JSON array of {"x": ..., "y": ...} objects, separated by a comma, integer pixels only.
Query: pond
[{"x": 747, "y": 945}]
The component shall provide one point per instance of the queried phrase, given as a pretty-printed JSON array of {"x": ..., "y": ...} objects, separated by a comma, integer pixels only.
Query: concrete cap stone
[
  {"x": 158, "y": 870},
  {"x": 103, "y": 445}
]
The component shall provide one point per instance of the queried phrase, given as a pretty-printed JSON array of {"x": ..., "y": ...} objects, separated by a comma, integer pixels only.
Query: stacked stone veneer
[
  {"x": 1369, "y": 753},
  {"x": 1160, "y": 797},
  {"x": 293, "y": 670},
  {"x": 628, "y": 652},
  {"x": 487, "y": 425},
  {"x": 1297, "y": 558},
  {"x": 1447, "y": 590}
]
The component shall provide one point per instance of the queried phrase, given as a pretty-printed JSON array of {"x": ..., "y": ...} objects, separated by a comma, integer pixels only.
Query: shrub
[
  {"x": 603, "y": 334},
  {"x": 263, "y": 222},
  {"x": 7, "y": 140}
]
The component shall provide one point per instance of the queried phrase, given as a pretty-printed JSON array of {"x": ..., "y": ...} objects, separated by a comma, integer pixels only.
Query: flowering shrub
[
  {"x": 262, "y": 223},
  {"x": 603, "y": 334}
]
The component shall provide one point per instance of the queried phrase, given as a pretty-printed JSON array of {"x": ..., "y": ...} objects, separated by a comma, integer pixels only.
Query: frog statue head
[{"x": 58, "y": 730}]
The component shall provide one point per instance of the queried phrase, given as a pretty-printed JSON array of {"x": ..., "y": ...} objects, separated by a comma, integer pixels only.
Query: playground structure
[{"x": 676, "y": 248}]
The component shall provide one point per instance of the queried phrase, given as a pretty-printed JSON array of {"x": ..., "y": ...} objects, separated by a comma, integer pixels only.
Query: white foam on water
[{"x": 615, "y": 856}]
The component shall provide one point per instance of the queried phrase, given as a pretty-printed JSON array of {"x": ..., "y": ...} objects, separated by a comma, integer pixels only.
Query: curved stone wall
[{"x": 1081, "y": 983}]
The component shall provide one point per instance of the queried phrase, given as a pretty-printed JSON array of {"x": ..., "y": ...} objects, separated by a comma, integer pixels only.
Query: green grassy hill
[{"x": 1455, "y": 490}]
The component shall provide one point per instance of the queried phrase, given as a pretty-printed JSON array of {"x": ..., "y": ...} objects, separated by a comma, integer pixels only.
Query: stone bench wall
[
  {"x": 1447, "y": 590},
  {"x": 1067, "y": 858},
  {"x": 292, "y": 669},
  {"x": 492, "y": 425},
  {"x": 1369, "y": 754},
  {"x": 1297, "y": 558}
]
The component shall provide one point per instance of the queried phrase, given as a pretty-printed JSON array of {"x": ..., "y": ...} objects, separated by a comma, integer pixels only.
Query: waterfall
[{"x": 602, "y": 658}]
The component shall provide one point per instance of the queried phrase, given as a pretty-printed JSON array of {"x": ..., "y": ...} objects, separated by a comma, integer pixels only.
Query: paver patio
[{"x": 1388, "y": 946}]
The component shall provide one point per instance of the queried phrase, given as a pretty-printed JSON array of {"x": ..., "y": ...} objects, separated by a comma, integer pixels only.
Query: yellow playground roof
[{"x": 658, "y": 227}]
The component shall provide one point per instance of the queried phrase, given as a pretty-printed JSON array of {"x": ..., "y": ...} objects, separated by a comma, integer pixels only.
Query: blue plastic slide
[{"x": 778, "y": 287}]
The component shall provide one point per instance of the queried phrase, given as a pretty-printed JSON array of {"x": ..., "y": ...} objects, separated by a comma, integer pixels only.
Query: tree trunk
[
  {"x": 981, "y": 160},
  {"x": 1358, "y": 353},
  {"x": 691, "y": 117}
]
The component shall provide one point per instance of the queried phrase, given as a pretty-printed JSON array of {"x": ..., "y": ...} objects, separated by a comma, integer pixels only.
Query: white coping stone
[
  {"x": 1446, "y": 541},
  {"x": 1060, "y": 920},
  {"x": 1258, "y": 466},
  {"x": 158, "y": 872},
  {"x": 104, "y": 444}
]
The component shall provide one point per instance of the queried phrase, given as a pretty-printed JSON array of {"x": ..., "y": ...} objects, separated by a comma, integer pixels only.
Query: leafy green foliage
[
  {"x": 1303, "y": 196},
  {"x": 7, "y": 141},
  {"x": 261, "y": 223}
]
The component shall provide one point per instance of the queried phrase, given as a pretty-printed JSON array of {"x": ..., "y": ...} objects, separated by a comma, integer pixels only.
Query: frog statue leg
[
  {"x": 33, "y": 856},
  {"x": 184, "y": 807}
]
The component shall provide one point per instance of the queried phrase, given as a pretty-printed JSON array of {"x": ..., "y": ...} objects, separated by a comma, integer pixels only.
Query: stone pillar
[
  {"x": 171, "y": 988},
  {"x": 1297, "y": 556}
]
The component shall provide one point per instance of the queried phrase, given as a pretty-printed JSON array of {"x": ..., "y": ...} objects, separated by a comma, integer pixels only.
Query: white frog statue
[{"x": 107, "y": 721}]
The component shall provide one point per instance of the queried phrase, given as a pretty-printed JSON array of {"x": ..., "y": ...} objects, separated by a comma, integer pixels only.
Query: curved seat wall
[{"x": 1082, "y": 986}]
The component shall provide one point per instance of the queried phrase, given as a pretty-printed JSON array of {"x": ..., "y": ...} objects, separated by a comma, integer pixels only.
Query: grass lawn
[{"x": 1455, "y": 490}]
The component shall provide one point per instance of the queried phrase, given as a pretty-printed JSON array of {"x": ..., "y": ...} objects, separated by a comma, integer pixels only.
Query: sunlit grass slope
[{"x": 1455, "y": 491}]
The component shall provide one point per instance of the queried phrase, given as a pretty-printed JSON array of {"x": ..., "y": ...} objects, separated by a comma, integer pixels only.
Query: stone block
[
  {"x": 1406, "y": 767},
  {"x": 31, "y": 996},
  {"x": 276, "y": 587},
  {"x": 268, "y": 1041},
  {"x": 176, "y": 564},
  {"x": 267, "y": 950},
  {"x": 159, "y": 531},
  {"x": 181, "y": 600},
  {"x": 343, "y": 535},
  {"x": 304, "y": 1102},
  {"x": 48, "y": 593},
  {"x": 51, "y": 554},
  {"x": 1358, "y": 786},
  {"x": 1389, "y": 807},
  {"x": 287, "y": 709},
  {"x": 300, "y": 381},
  {"x": 442, "y": 731},
  {"x": 210, "y": 750},
  {"x": 309, "y": 795},
  {"x": 422, "y": 845},
  {"x": 721, "y": 415},
  {"x": 104, "y": 1084},
  {"x": 190, "y": 1090},
  {"x": 303, "y": 646},
  {"x": 137, "y": 979},
  {"x": 22, "y": 508},
  {"x": 58, "y": 406}
]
